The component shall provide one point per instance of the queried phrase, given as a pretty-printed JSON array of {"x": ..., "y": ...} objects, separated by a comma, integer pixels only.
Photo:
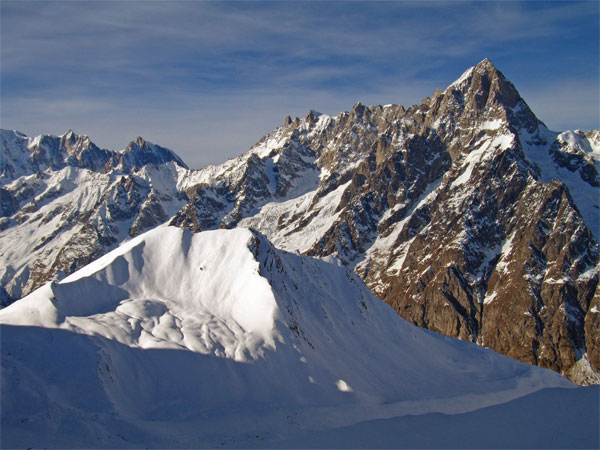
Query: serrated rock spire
[{"x": 489, "y": 84}]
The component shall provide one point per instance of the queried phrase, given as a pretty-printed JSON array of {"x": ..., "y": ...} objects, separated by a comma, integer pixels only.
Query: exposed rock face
[{"x": 464, "y": 213}]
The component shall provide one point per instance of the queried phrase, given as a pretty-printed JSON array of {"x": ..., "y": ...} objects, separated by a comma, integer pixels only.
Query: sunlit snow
[{"x": 190, "y": 340}]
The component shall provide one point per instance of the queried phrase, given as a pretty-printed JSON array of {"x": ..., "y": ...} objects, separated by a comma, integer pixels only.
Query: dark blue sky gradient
[{"x": 208, "y": 79}]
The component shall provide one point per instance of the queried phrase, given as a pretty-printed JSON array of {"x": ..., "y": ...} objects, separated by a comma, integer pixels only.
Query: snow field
[{"x": 182, "y": 331}]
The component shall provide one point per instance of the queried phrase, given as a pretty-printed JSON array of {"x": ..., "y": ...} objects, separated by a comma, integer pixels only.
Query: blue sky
[{"x": 208, "y": 79}]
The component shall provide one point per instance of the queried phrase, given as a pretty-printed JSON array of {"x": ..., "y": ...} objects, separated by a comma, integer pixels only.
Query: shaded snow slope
[
  {"x": 179, "y": 339},
  {"x": 553, "y": 422}
]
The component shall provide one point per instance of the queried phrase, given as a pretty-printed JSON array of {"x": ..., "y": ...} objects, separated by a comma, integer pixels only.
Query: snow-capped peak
[
  {"x": 483, "y": 66},
  {"x": 22, "y": 155},
  {"x": 140, "y": 152}
]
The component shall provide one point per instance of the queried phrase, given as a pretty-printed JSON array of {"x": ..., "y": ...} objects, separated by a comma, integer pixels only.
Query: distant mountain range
[{"x": 464, "y": 213}]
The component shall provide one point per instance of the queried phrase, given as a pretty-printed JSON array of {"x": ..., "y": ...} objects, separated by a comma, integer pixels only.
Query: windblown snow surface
[{"x": 217, "y": 339}]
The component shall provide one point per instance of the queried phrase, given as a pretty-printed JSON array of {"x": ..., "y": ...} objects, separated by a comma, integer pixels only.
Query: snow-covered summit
[
  {"x": 181, "y": 327},
  {"x": 139, "y": 152},
  {"x": 231, "y": 294},
  {"x": 167, "y": 288},
  {"x": 21, "y": 155}
]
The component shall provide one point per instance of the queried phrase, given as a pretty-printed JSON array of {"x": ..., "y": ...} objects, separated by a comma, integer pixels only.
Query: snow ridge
[{"x": 175, "y": 327}]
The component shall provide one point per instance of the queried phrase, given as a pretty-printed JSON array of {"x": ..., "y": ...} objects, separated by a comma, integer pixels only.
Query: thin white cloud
[
  {"x": 201, "y": 129},
  {"x": 565, "y": 104},
  {"x": 210, "y": 78},
  {"x": 133, "y": 33}
]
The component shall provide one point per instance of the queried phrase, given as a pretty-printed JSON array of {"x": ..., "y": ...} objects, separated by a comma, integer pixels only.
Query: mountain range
[{"x": 464, "y": 213}]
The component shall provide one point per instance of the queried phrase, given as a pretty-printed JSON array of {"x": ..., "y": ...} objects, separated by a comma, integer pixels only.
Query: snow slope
[
  {"x": 551, "y": 423},
  {"x": 218, "y": 339}
]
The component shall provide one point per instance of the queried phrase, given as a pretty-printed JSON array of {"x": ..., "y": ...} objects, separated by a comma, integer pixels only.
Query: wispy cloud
[
  {"x": 209, "y": 78},
  {"x": 566, "y": 104}
]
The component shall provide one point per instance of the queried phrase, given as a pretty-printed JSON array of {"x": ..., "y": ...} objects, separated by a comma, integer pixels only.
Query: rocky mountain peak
[
  {"x": 69, "y": 134},
  {"x": 138, "y": 144},
  {"x": 26, "y": 156},
  {"x": 482, "y": 95},
  {"x": 21, "y": 155},
  {"x": 312, "y": 116},
  {"x": 486, "y": 64},
  {"x": 358, "y": 110},
  {"x": 75, "y": 144},
  {"x": 484, "y": 85},
  {"x": 140, "y": 152}
]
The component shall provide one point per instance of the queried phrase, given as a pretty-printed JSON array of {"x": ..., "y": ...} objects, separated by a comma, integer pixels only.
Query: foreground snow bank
[{"x": 191, "y": 340}]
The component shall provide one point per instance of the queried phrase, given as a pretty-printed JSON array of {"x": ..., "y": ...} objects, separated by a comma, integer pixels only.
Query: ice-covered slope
[{"x": 182, "y": 339}]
